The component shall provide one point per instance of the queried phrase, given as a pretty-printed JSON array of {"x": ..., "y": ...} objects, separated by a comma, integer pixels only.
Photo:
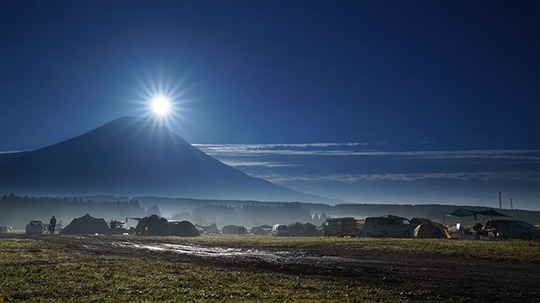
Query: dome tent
[
  {"x": 431, "y": 230},
  {"x": 159, "y": 226},
  {"x": 86, "y": 225}
]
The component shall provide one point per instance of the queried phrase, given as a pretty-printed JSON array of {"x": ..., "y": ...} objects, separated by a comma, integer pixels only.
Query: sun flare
[{"x": 161, "y": 105}]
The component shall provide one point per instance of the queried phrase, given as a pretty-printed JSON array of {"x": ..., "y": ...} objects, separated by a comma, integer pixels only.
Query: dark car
[
  {"x": 35, "y": 227},
  {"x": 514, "y": 229},
  {"x": 341, "y": 227},
  {"x": 387, "y": 226}
]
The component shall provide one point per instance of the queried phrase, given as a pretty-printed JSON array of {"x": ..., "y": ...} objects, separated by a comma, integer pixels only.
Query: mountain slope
[{"x": 132, "y": 156}]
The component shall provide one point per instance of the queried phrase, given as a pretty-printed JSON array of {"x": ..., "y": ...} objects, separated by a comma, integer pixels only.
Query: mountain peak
[{"x": 132, "y": 156}]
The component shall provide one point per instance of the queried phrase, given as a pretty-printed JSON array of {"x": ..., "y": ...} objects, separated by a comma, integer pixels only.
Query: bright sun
[{"x": 161, "y": 105}]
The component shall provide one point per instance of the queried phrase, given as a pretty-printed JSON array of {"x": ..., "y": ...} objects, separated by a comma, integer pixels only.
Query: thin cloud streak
[
  {"x": 403, "y": 177},
  {"x": 256, "y": 164},
  {"x": 359, "y": 171},
  {"x": 347, "y": 149}
]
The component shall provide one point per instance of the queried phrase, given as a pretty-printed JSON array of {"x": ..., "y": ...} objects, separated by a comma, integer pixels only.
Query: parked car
[
  {"x": 341, "y": 227},
  {"x": 4, "y": 229},
  {"x": 514, "y": 229},
  {"x": 387, "y": 226},
  {"x": 35, "y": 227},
  {"x": 280, "y": 230},
  {"x": 119, "y": 227}
]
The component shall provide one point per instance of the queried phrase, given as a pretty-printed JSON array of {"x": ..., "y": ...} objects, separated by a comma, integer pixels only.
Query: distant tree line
[
  {"x": 17, "y": 211},
  {"x": 251, "y": 214}
]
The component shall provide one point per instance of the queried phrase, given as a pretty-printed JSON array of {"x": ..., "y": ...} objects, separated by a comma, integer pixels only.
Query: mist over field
[{"x": 17, "y": 211}]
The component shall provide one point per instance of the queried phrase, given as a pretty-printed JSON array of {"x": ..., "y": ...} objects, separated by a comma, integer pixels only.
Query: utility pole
[
  {"x": 500, "y": 200},
  {"x": 511, "y": 204}
]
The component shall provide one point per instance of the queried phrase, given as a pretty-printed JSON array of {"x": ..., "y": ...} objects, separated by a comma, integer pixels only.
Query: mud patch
[
  {"x": 416, "y": 277},
  {"x": 292, "y": 260}
]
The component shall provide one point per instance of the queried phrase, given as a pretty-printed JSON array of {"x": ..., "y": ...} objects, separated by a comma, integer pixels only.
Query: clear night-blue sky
[{"x": 459, "y": 74}]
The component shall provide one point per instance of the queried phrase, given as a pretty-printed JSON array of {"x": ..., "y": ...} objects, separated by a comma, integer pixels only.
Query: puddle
[{"x": 274, "y": 257}]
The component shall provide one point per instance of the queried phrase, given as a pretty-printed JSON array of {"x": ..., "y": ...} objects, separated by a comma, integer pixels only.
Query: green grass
[{"x": 36, "y": 271}]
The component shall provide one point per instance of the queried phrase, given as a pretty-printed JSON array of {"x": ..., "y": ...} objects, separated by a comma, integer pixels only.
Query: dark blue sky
[{"x": 460, "y": 74}]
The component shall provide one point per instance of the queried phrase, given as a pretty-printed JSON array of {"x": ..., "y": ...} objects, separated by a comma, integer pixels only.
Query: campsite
[
  {"x": 385, "y": 258},
  {"x": 156, "y": 259}
]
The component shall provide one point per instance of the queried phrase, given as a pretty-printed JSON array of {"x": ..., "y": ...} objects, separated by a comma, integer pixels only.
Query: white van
[{"x": 387, "y": 226}]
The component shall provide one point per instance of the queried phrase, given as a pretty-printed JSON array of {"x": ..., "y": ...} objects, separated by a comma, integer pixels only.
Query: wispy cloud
[
  {"x": 394, "y": 177},
  {"x": 10, "y": 152},
  {"x": 356, "y": 149},
  {"x": 256, "y": 164}
]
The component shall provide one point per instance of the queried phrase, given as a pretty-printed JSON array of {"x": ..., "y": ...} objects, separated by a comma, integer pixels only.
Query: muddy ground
[{"x": 443, "y": 277}]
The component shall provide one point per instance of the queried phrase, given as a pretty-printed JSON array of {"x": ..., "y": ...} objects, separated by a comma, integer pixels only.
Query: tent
[
  {"x": 212, "y": 229},
  {"x": 153, "y": 225},
  {"x": 492, "y": 213},
  {"x": 158, "y": 226},
  {"x": 417, "y": 221},
  {"x": 233, "y": 230},
  {"x": 462, "y": 212},
  {"x": 312, "y": 231},
  {"x": 86, "y": 225},
  {"x": 297, "y": 229},
  {"x": 181, "y": 229},
  {"x": 431, "y": 230}
]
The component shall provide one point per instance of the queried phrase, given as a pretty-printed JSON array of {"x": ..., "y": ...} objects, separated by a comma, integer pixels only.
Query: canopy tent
[
  {"x": 462, "y": 212},
  {"x": 492, "y": 213}
]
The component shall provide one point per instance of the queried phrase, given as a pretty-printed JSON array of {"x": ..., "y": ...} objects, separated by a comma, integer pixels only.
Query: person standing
[{"x": 52, "y": 225}]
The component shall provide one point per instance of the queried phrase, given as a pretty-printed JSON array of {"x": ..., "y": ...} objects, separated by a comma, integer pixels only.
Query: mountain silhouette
[{"x": 133, "y": 156}]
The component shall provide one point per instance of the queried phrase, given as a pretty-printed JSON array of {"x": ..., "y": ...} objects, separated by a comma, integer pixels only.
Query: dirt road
[{"x": 451, "y": 278}]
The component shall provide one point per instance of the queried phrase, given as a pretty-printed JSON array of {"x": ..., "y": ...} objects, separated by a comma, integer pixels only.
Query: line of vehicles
[
  {"x": 399, "y": 227},
  {"x": 387, "y": 226}
]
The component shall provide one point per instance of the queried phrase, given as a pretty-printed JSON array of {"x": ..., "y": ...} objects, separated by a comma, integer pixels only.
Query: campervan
[
  {"x": 387, "y": 226},
  {"x": 341, "y": 227}
]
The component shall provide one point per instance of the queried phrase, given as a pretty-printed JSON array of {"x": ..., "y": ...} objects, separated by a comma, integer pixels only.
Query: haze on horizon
[{"x": 370, "y": 102}]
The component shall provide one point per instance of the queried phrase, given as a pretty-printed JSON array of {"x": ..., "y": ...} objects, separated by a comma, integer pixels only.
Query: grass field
[{"x": 38, "y": 270}]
